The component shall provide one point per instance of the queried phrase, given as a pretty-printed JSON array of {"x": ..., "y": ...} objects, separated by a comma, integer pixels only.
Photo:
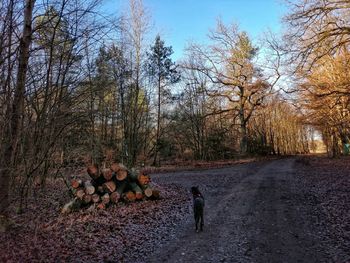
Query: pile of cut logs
[{"x": 109, "y": 186}]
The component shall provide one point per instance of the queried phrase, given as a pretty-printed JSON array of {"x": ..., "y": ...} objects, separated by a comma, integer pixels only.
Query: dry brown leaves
[
  {"x": 329, "y": 183},
  {"x": 119, "y": 233}
]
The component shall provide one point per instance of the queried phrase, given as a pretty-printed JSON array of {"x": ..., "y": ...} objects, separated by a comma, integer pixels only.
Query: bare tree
[
  {"x": 136, "y": 26},
  {"x": 324, "y": 96},
  {"x": 319, "y": 35},
  {"x": 229, "y": 64},
  {"x": 316, "y": 28},
  {"x": 12, "y": 132}
]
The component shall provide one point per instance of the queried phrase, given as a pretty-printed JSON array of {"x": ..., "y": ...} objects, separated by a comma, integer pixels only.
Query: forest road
[{"x": 254, "y": 212}]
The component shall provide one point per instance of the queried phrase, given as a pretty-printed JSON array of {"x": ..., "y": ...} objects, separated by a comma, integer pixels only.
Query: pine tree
[{"x": 163, "y": 72}]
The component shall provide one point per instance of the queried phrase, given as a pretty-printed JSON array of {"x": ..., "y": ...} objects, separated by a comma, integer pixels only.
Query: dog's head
[{"x": 195, "y": 190}]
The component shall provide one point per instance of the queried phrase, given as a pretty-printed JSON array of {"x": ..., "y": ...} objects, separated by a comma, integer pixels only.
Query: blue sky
[{"x": 181, "y": 21}]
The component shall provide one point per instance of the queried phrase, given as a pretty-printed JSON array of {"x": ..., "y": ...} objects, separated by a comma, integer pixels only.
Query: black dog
[{"x": 198, "y": 207}]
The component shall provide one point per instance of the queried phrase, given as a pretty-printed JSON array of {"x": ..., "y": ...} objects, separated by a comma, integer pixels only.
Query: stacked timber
[{"x": 112, "y": 185}]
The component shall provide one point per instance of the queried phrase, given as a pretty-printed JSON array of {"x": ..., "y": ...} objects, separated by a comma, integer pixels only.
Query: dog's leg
[
  {"x": 202, "y": 221},
  {"x": 197, "y": 218}
]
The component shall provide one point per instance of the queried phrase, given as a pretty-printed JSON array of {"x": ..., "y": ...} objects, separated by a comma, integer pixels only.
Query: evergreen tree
[{"x": 163, "y": 72}]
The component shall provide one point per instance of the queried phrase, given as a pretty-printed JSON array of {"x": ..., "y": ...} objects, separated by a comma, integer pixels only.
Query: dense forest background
[{"x": 78, "y": 87}]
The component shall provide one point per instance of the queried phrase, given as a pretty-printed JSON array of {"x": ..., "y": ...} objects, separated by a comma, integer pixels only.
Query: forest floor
[{"x": 281, "y": 210}]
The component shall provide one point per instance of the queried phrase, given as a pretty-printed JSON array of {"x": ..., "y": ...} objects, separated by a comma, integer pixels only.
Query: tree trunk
[
  {"x": 71, "y": 206},
  {"x": 148, "y": 192},
  {"x": 80, "y": 193},
  {"x": 130, "y": 196},
  {"x": 107, "y": 174},
  {"x": 87, "y": 199},
  {"x": 101, "y": 206},
  {"x": 122, "y": 175},
  {"x": 93, "y": 172},
  {"x": 115, "y": 167},
  {"x": 137, "y": 190},
  {"x": 156, "y": 162},
  {"x": 89, "y": 188},
  {"x": 243, "y": 122},
  {"x": 121, "y": 187},
  {"x": 244, "y": 139},
  {"x": 105, "y": 199},
  {"x": 133, "y": 175},
  {"x": 76, "y": 183},
  {"x": 109, "y": 187},
  {"x": 12, "y": 133},
  {"x": 143, "y": 179},
  {"x": 100, "y": 189},
  {"x": 115, "y": 196},
  {"x": 95, "y": 198}
]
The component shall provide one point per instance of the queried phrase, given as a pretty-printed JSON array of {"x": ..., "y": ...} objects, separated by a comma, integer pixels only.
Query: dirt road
[{"x": 254, "y": 213}]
